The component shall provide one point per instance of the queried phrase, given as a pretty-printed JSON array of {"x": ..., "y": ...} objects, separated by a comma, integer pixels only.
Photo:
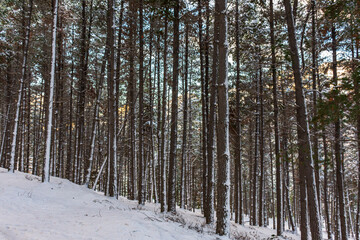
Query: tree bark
[
  {"x": 304, "y": 145},
  {"x": 278, "y": 165},
  {"x": 223, "y": 183},
  {"x": 21, "y": 88},
  {"x": 46, "y": 172},
  {"x": 141, "y": 158},
  {"x": 238, "y": 162},
  {"x": 174, "y": 113},
  {"x": 338, "y": 160}
]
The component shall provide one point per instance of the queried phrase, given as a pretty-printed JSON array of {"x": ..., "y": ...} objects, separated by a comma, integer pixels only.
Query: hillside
[{"x": 60, "y": 209}]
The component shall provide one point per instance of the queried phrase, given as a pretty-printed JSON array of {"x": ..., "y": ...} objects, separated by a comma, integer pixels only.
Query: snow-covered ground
[{"x": 60, "y": 209}]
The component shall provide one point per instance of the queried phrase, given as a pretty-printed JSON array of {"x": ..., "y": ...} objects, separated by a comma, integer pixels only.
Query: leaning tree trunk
[{"x": 304, "y": 145}]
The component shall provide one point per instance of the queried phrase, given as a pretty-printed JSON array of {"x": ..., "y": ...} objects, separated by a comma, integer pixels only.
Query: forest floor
[{"x": 60, "y": 209}]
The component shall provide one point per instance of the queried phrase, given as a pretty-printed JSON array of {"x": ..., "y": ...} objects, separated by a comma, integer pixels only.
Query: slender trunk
[
  {"x": 357, "y": 93},
  {"x": 141, "y": 158},
  {"x": 278, "y": 165},
  {"x": 211, "y": 130},
  {"x": 21, "y": 87},
  {"x": 261, "y": 144},
  {"x": 163, "y": 124},
  {"x": 203, "y": 113},
  {"x": 185, "y": 110},
  {"x": 174, "y": 113},
  {"x": 96, "y": 118},
  {"x": 314, "y": 77},
  {"x": 256, "y": 157},
  {"x": 238, "y": 170},
  {"x": 111, "y": 104},
  {"x": 46, "y": 172},
  {"x": 305, "y": 152},
  {"x": 339, "y": 162},
  {"x": 132, "y": 99},
  {"x": 326, "y": 203}
]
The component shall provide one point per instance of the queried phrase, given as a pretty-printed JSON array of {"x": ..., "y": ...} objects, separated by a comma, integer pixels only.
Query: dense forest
[{"x": 247, "y": 110}]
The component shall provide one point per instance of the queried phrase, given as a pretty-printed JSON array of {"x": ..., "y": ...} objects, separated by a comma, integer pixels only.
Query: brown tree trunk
[
  {"x": 174, "y": 113},
  {"x": 278, "y": 165},
  {"x": 338, "y": 160},
  {"x": 238, "y": 170},
  {"x": 141, "y": 158},
  {"x": 304, "y": 145},
  {"x": 223, "y": 183}
]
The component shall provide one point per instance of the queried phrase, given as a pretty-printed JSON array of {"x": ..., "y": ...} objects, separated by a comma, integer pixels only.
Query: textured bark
[
  {"x": 261, "y": 145},
  {"x": 315, "y": 139},
  {"x": 238, "y": 199},
  {"x": 223, "y": 183},
  {"x": 278, "y": 165},
  {"x": 68, "y": 170},
  {"x": 174, "y": 113},
  {"x": 326, "y": 197},
  {"x": 255, "y": 169},
  {"x": 304, "y": 145},
  {"x": 338, "y": 160},
  {"x": 211, "y": 130},
  {"x": 112, "y": 146},
  {"x": 132, "y": 99},
  {"x": 203, "y": 114},
  {"x": 357, "y": 93},
  {"x": 185, "y": 120},
  {"x": 96, "y": 117},
  {"x": 21, "y": 88},
  {"x": 141, "y": 158},
  {"x": 163, "y": 123},
  {"x": 46, "y": 171},
  {"x": 80, "y": 115}
]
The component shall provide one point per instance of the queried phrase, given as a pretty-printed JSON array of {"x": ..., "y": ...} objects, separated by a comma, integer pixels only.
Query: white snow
[{"x": 60, "y": 209}]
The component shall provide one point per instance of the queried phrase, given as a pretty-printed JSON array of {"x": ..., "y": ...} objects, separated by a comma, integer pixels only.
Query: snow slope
[{"x": 60, "y": 209}]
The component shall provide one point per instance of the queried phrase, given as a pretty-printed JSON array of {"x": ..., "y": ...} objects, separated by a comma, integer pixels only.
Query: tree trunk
[
  {"x": 111, "y": 104},
  {"x": 141, "y": 158},
  {"x": 163, "y": 123},
  {"x": 174, "y": 113},
  {"x": 304, "y": 145},
  {"x": 223, "y": 183},
  {"x": 132, "y": 99},
  {"x": 261, "y": 144},
  {"x": 46, "y": 172},
  {"x": 238, "y": 170},
  {"x": 339, "y": 163},
  {"x": 21, "y": 87},
  {"x": 278, "y": 165},
  {"x": 185, "y": 119},
  {"x": 326, "y": 204},
  {"x": 203, "y": 114}
]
